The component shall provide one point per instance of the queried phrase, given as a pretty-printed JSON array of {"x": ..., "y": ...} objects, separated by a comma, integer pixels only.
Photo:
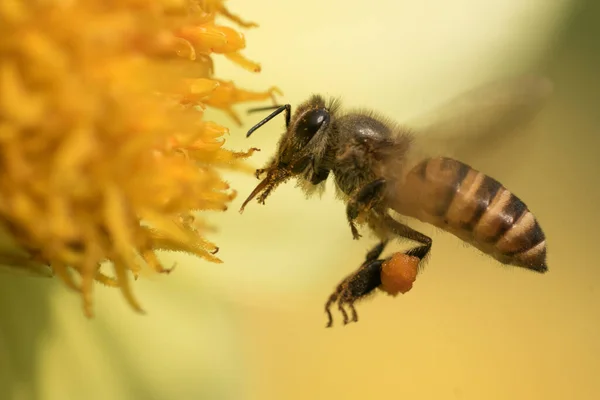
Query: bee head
[{"x": 304, "y": 141}]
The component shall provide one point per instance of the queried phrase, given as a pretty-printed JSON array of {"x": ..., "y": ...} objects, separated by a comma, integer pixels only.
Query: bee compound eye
[{"x": 311, "y": 122}]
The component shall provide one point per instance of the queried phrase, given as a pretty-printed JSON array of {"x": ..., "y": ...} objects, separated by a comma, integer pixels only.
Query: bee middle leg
[
  {"x": 363, "y": 200},
  {"x": 357, "y": 285}
]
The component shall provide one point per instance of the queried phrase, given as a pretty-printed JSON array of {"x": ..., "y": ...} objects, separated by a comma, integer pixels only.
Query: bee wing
[{"x": 474, "y": 121}]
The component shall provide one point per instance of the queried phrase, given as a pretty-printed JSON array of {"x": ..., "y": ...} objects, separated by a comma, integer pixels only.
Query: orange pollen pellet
[{"x": 399, "y": 273}]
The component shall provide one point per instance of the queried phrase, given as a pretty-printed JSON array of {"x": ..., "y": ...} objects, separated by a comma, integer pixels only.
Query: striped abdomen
[{"x": 476, "y": 208}]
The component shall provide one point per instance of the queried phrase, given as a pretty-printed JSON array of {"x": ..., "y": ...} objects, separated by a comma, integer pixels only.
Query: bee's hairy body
[
  {"x": 376, "y": 171},
  {"x": 440, "y": 191}
]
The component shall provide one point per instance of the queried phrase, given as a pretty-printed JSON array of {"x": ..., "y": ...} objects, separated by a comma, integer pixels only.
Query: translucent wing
[{"x": 474, "y": 121}]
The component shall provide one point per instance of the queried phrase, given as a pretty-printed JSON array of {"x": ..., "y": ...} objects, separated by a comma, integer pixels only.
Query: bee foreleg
[{"x": 363, "y": 200}]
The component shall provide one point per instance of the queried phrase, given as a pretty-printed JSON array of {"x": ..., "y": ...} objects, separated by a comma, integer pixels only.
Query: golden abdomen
[{"x": 475, "y": 207}]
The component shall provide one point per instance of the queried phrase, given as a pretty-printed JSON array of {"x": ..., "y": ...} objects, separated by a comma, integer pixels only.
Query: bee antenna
[
  {"x": 256, "y": 109},
  {"x": 278, "y": 110}
]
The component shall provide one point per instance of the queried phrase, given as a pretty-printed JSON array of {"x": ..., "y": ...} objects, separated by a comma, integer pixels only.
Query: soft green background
[{"x": 253, "y": 328}]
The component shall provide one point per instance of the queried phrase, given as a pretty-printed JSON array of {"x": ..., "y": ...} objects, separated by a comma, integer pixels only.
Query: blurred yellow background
[{"x": 254, "y": 327}]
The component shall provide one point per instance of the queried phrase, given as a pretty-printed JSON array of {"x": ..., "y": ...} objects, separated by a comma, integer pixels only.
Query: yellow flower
[{"x": 103, "y": 149}]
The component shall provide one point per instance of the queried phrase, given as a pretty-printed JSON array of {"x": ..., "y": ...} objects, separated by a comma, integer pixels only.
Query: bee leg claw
[
  {"x": 341, "y": 308},
  {"x": 354, "y": 314},
  {"x": 332, "y": 299}
]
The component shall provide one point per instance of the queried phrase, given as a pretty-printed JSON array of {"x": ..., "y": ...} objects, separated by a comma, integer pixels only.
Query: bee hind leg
[
  {"x": 376, "y": 251},
  {"x": 357, "y": 285},
  {"x": 404, "y": 231},
  {"x": 363, "y": 200}
]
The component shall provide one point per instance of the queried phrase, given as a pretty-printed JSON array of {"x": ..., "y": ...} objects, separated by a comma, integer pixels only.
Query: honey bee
[{"x": 384, "y": 171}]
